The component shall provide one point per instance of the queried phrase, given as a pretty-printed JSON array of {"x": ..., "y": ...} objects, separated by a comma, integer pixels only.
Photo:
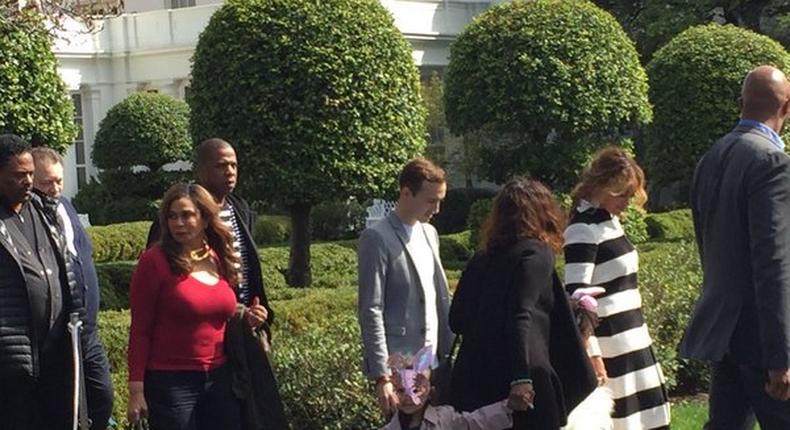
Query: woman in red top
[{"x": 181, "y": 296}]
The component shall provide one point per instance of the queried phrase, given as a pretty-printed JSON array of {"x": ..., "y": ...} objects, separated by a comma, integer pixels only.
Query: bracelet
[{"x": 521, "y": 381}]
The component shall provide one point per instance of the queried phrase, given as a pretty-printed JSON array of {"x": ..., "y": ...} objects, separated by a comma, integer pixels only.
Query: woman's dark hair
[
  {"x": 612, "y": 170},
  {"x": 218, "y": 236},
  {"x": 523, "y": 209}
]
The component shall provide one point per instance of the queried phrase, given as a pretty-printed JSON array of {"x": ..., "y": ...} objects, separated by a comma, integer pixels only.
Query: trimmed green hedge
[
  {"x": 114, "y": 279},
  {"x": 670, "y": 225},
  {"x": 118, "y": 242},
  {"x": 272, "y": 229}
]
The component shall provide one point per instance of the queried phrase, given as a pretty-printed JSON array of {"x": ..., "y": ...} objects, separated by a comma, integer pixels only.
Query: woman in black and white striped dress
[{"x": 597, "y": 253}]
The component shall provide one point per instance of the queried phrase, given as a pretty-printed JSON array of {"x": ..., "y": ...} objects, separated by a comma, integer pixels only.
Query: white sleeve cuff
[{"x": 593, "y": 348}]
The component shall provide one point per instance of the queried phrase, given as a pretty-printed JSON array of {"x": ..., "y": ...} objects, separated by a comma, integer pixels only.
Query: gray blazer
[
  {"x": 740, "y": 201},
  {"x": 391, "y": 311}
]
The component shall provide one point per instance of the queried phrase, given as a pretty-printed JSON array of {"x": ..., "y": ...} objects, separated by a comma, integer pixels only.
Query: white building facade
[{"x": 149, "y": 48}]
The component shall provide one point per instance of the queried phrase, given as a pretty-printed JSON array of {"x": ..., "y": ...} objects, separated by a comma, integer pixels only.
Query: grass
[{"x": 691, "y": 414}]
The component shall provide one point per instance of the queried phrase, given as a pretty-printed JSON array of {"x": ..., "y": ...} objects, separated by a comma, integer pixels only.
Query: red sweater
[{"x": 178, "y": 322}]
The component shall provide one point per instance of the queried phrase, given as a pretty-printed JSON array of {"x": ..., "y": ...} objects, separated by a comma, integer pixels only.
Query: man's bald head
[{"x": 765, "y": 95}]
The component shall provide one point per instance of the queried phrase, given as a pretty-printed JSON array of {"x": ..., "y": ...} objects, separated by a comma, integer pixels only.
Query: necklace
[{"x": 200, "y": 254}]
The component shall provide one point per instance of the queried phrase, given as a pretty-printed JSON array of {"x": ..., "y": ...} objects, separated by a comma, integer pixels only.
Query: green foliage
[
  {"x": 455, "y": 208},
  {"x": 633, "y": 220},
  {"x": 544, "y": 90},
  {"x": 324, "y": 97},
  {"x": 114, "y": 334},
  {"x": 456, "y": 247},
  {"x": 33, "y": 99},
  {"x": 145, "y": 129},
  {"x": 337, "y": 220},
  {"x": 477, "y": 215},
  {"x": 670, "y": 225},
  {"x": 695, "y": 83},
  {"x": 119, "y": 242},
  {"x": 669, "y": 281},
  {"x": 272, "y": 229},
  {"x": 334, "y": 264},
  {"x": 114, "y": 280}
]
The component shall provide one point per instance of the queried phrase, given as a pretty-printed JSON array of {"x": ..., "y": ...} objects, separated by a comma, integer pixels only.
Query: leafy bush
[
  {"x": 119, "y": 242},
  {"x": 669, "y": 281},
  {"x": 271, "y": 229},
  {"x": 114, "y": 279},
  {"x": 695, "y": 83},
  {"x": 114, "y": 333},
  {"x": 455, "y": 208},
  {"x": 477, "y": 214},
  {"x": 546, "y": 90},
  {"x": 145, "y": 129},
  {"x": 334, "y": 265},
  {"x": 331, "y": 104},
  {"x": 633, "y": 221},
  {"x": 456, "y": 247},
  {"x": 34, "y": 102},
  {"x": 670, "y": 225},
  {"x": 337, "y": 220}
]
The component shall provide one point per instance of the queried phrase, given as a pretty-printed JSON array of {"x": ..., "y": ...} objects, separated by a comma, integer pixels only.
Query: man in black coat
[
  {"x": 254, "y": 381},
  {"x": 48, "y": 179},
  {"x": 740, "y": 202},
  {"x": 37, "y": 294}
]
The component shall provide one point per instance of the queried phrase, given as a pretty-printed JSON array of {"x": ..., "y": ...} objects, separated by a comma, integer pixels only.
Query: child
[
  {"x": 594, "y": 413},
  {"x": 412, "y": 382}
]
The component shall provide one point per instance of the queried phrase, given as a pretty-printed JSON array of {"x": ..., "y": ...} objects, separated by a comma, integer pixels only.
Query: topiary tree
[
  {"x": 543, "y": 90},
  {"x": 144, "y": 130},
  {"x": 33, "y": 99},
  {"x": 695, "y": 83},
  {"x": 320, "y": 98}
]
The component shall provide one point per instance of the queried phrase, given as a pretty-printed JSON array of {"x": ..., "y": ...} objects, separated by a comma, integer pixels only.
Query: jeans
[
  {"x": 192, "y": 400},
  {"x": 98, "y": 383}
]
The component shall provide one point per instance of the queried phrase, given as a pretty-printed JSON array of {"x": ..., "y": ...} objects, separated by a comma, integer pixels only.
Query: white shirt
[
  {"x": 424, "y": 261},
  {"x": 68, "y": 229}
]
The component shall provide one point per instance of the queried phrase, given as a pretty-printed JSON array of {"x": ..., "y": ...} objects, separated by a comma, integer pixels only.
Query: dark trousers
[
  {"x": 42, "y": 403},
  {"x": 98, "y": 383},
  {"x": 191, "y": 400},
  {"x": 737, "y": 395}
]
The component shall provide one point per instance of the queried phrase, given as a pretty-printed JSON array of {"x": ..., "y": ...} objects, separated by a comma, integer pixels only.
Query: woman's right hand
[
  {"x": 137, "y": 408},
  {"x": 600, "y": 369}
]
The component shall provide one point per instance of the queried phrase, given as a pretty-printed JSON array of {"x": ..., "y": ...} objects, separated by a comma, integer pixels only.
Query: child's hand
[
  {"x": 387, "y": 397},
  {"x": 600, "y": 369},
  {"x": 522, "y": 397}
]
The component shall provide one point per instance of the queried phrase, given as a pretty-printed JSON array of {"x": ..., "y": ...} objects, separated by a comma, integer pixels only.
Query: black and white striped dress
[{"x": 597, "y": 253}]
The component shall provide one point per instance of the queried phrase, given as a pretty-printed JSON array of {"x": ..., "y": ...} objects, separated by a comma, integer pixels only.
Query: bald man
[{"x": 740, "y": 199}]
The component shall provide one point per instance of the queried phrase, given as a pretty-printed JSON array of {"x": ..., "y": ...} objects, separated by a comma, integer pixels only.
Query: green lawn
[{"x": 690, "y": 415}]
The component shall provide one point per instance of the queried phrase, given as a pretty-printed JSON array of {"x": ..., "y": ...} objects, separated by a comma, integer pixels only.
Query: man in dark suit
[
  {"x": 740, "y": 201},
  {"x": 48, "y": 179}
]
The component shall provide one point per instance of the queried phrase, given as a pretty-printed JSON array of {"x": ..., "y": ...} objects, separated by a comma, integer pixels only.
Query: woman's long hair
[
  {"x": 218, "y": 236},
  {"x": 614, "y": 171},
  {"x": 523, "y": 209}
]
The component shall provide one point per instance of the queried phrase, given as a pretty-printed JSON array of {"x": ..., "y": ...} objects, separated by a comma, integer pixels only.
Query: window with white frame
[
  {"x": 79, "y": 142},
  {"x": 178, "y": 4}
]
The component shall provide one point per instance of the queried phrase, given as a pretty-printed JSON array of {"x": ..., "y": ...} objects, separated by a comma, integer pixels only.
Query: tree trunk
[{"x": 299, "y": 261}]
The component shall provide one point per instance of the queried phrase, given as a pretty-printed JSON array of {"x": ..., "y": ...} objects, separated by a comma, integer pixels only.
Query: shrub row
[
  {"x": 670, "y": 225},
  {"x": 118, "y": 242}
]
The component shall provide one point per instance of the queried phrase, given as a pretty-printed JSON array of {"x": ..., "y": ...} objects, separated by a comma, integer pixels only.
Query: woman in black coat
[{"x": 519, "y": 335}]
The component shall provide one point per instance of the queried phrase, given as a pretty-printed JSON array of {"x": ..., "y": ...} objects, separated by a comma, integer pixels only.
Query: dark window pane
[
  {"x": 79, "y": 150},
  {"x": 76, "y": 99},
  {"x": 82, "y": 177}
]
